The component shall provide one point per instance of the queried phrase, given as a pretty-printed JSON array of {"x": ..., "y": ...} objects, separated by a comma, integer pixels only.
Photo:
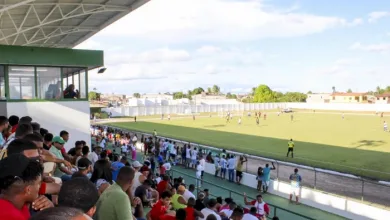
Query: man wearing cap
[
  {"x": 61, "y": 171},
  {"x": 259, "y": 204},
  {"x": 20, "y": 179}
]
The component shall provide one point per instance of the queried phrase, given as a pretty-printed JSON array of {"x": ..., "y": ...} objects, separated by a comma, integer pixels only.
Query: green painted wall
[{"x": 42, "y": 56}]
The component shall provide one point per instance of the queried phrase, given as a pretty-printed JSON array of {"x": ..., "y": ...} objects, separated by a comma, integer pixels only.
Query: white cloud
[
  {"x": 218, "y": 20},
  {"x": 340, "y": 67},
  {"x": 151, "y": 56},
  {"x": 208, "y": 50},
  {"x": 374, "y": 16},
  {"x": 89, "y": 45},
  {"x": 382, "y": 47}
]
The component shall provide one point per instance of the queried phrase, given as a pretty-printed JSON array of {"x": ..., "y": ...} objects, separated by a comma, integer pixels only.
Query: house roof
[
  {"x": 348, "y": 94},
  {"x": 383, "y": 95},
  {"x": 53, "y": 23}
]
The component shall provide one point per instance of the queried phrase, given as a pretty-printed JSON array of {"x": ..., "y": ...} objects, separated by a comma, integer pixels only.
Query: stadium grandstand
[{"x": 55, "y": 165}]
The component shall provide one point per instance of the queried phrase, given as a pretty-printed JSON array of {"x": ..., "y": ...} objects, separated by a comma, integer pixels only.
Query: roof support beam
[
  {"x": 9, "y": 7},
  {"x": 72, "y": 14},
  {"x": 60, "y": 32}
]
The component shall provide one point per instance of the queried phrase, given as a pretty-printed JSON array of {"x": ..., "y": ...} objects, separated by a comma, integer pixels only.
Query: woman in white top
[{"x": 141, "y": 174}]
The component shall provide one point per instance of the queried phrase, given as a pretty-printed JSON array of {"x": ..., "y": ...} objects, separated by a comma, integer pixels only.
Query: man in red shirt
[
  {"x": 164, "y": 185},
  {"x": 259, "y": 204},
  {"x": 161, "y": 208},
  {"x": 21, "y": 178}
]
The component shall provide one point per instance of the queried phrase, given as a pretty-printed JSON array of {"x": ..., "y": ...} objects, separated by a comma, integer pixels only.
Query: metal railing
[
  {"x": 342, "y": 185},
  {"x": 219, "y": 191}
]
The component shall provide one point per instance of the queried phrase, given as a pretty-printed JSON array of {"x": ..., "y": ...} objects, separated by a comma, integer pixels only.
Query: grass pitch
[{"x": 356, "y": 144}]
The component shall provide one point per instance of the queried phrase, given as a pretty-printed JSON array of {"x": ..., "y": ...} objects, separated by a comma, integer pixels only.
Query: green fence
[{"x": 216, "y": 190}]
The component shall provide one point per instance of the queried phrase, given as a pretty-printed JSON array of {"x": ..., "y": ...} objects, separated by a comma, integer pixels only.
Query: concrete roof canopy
[{"x": 58, "y": 23}]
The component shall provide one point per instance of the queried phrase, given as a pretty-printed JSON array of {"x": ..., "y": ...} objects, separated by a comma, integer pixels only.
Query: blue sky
[{"x": 176, "y": 45}]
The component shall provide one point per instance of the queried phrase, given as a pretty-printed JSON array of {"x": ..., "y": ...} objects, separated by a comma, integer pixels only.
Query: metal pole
[
  {"x": 230, "y": 194},
  {"x": 275, "y": 211},
  {"x": 277, "y": 171},
  {"x": 362, "y": 190},
  {"x": 315, "y": 179}
]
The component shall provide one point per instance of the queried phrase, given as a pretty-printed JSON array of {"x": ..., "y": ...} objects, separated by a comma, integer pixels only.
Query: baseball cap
[
  {"x": 58, "y": 139},
  {"x": 181, "y": 188},
  {"x": 137, "y": 164},
  {"x": 83, "y": 163},
  {"x": 13, "y": 165}
]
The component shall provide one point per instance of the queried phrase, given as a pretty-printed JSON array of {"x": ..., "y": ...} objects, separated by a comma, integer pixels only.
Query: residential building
[
  {"x": 383, "y": 98},
  {"x": 350, "y": 98},
  {"x": 318, "y": 98}
]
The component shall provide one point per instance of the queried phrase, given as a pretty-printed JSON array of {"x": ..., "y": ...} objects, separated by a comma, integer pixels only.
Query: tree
[
  {"x": 178, "y": 95},
  {"x": 93, "y": 95},
  {"x": 263, "y": 94},
  {"x": 334, "y": 89},
  {"x": 137, "y": 95},
  {"x": 388, "y": 89},
  {"x": 197, "y": 91},
  {"x": 216, "y": 89},
  {"x": 209, "y": 90},
  {"x": 379, "y": 90},
  {"x": 231, "y": 96},
  {"x": 309, "y": 92},
  {"x": 349, "y": 91}
]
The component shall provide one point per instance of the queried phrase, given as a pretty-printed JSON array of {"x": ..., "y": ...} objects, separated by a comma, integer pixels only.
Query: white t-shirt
[
  {"x": 167, "y": 166},
  {"x": 187, "y": 195},
  {"x": 93, "y": 157},
  {"x": 206, "y": 212},
  {"x": 227, "y": 212},
  {"x": 202, "y": 163},
  {"x": 249, "y": 217},
  {"x": 173, "y": 150},
  {"x": 199, "y": 169},
  {"x": 188, "y": 153},
  {"x": 194, "y": 153},
  {"x": 385, "y": 125},
  {"x": 103, "y": 143},
  {"x": 124, "y": 148}
]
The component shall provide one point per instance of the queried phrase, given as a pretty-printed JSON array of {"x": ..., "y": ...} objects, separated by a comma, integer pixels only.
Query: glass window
[
  {"x": 83, "y": 85},
  {"x": 76, "y": 81},
  {"x": 49, "y": 82},
  {"x": 21, "y": 82},
  {"x": 2, "y": 82}
]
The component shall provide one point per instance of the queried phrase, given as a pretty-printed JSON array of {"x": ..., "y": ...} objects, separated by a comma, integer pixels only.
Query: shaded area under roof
[{"x": 58, "y": 23}]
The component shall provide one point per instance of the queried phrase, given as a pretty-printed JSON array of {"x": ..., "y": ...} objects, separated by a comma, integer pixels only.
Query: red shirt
[
  {"x": 262, "y": 208},
  {"x": 9, "y": 212},
  {"x": 168, "y": 217},
  {"x": 163, "y": 170},
  {"x": 13, "y": 130},
  {"x": 162, "y": 187},
  {"x": 158, "y": 210},
  {"x": 190, "y": 213}
]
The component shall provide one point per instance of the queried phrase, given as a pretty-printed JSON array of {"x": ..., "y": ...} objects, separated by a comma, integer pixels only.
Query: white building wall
[
  {"x": 341, "y": 106},
  {"x": 72, "y": 116}
]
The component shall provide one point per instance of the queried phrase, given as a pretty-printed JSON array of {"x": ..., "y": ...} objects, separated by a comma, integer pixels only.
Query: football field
[{"x": 356, "y": 144}]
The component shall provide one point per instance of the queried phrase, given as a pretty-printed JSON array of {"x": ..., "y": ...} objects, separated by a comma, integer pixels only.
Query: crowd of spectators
[{"x": 39, "y": 179}]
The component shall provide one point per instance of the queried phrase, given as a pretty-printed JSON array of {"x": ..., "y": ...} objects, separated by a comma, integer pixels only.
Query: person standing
[
  {"x": 295, "y": 181},
  {"x": 267, "y": 176},
  {"x": 198, "y": 174},
  {"x": 239, "y": 168},
  {"x": 223, "y": 164},
  {"x": 385, "y": 126},
  {"x": 290, "y": 145},
  {"x": 231, "y": 166}
]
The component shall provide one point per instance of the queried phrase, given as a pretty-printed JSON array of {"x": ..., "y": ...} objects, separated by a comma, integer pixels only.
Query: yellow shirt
[{"x": 291, "y": 144}]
